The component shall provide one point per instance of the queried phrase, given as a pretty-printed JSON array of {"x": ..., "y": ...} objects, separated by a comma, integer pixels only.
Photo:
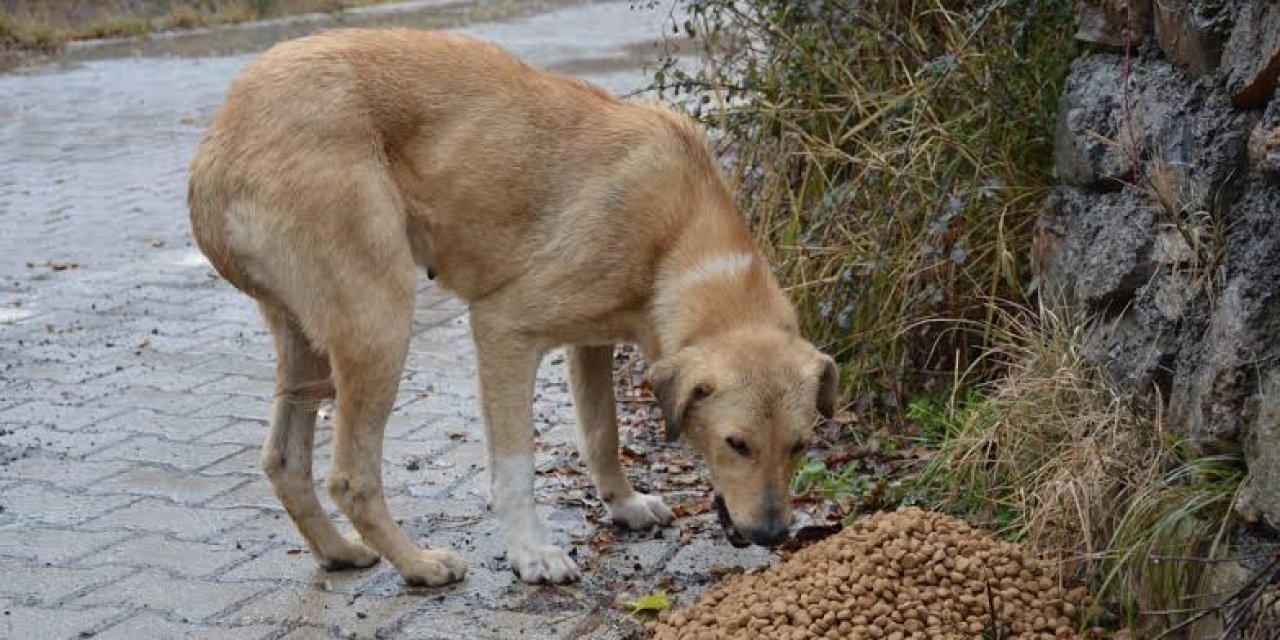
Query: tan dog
[{"x": 341, "y": 164}]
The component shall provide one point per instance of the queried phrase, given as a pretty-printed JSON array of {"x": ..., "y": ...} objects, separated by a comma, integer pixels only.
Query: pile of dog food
[{"x": 905, "y": 574}]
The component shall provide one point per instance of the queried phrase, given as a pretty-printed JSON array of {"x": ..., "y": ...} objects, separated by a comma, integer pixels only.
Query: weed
[
  {"x": 1053, "y": 456},
  {"x": 891, "y": 156}
]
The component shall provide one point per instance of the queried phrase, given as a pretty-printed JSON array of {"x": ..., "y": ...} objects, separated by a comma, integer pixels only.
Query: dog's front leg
[
  {"x": 508, "y": 367},
  {"x": 591, "y": 377}
]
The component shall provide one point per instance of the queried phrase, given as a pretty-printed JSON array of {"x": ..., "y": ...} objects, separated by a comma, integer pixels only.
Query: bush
[{"x": 892, "y": 155}]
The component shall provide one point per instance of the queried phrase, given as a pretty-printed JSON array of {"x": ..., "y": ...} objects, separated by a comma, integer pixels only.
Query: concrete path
[{"x": 134, "y": 388}]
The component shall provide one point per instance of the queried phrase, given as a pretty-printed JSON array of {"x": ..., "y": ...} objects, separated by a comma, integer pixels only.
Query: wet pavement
[{"x": 134, "y": 384}]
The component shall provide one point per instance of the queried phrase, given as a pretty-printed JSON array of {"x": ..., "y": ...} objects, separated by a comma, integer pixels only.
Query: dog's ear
[
  {"x": 675, "y": 394},
  {"x": 828, "y": 384}
]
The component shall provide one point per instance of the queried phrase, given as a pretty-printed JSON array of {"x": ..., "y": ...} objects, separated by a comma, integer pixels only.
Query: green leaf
[{"x": 651, "y": 603}]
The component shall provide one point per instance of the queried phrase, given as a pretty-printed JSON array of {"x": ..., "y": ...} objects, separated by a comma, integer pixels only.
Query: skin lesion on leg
[{"x": 591, "y": 378}]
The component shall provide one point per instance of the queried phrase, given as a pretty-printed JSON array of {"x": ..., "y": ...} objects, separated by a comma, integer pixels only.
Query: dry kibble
[{"x": 903, "y": 574}]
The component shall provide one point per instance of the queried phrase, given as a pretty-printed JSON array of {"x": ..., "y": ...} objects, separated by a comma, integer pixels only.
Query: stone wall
[{"x": 1166, "y": 223}]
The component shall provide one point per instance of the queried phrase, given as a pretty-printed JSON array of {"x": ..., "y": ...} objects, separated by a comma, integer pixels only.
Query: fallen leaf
[
  {"x": 686, "y": 509},
  {"x": 650, "y": 603}
]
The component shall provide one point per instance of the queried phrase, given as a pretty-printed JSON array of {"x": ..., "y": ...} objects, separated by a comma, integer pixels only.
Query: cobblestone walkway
[{"x": 134, "y": 389}]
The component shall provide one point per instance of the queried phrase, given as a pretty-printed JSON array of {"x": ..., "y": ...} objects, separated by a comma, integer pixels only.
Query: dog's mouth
[{"x": 730, "y": 531}]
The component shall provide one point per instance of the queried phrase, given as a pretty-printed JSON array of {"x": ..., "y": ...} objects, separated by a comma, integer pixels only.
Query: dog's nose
[{"x": 771, "y": 534}]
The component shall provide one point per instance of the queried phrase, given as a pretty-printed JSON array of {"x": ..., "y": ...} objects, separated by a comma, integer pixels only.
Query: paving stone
[
  {"x": 255, "y": 492},
  {"x": 30, "y": 622},
  {"x": 491, "y": 625},
  {"x": 179, "y": 454},
  {"x": 177, "y": 428},
  {"x": 181, "y": 557},
  {"x": 361, "y": 617},
  {"x": 40, "y": 504},
  {"x": 177, "y": 486},
  {"x": 52, "y": 545},
  {"x": 291, "y": 560},
  {"x": 63, "y": 471},
  {"x": 267, "y": 527},
  {"x": 159, "y": 378},
  {"x": 152, "y": 515},
  {"x": 60, "y": 416},
  {"x": 189, "y": 598},
  {"x": 235, "y": 406},
  {"x": 250, "y": 433},
  {"x": 150, "y": 625},
  {"x": 307, "y": 633},
  {"x": 232, "y": 384},
  {"x": 39, "y": 584},
  {"x": 21, "y": 440},
  {"x": 699, "y": 557},
  {"x": 142, "y": 396},
  {"x": 248, "y": 462}
]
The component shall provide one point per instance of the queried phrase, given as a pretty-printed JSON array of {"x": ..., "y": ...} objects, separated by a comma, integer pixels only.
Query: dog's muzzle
[{"x": 730, "y": 530}]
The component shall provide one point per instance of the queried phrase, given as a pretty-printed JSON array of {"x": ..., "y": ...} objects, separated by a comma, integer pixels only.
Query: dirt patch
[{"x": 906, "y": 573}]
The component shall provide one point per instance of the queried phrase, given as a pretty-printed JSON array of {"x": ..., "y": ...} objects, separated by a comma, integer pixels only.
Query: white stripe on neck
[
  {"x": 716, "y": 267},
  {"x": 725, "y": 265}
]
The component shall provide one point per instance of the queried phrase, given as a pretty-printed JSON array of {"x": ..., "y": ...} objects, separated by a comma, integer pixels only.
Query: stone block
[
  {"x": 1264, "y": 141},
  {"x": 1191, "y": 33},
  {"x": 1251, "y": 58},
  {"x": 1104, "y": 21}
]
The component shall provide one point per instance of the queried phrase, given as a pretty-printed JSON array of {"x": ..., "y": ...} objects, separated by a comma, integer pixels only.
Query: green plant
[{"x": 891, "y": 155}]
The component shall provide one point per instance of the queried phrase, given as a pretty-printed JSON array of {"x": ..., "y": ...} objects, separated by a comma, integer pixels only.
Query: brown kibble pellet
[{"x": 905, "y": 574}]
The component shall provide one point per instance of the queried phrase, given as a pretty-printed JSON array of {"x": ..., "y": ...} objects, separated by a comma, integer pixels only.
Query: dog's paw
[
  {"x": 433, "y": 568},
  {"x": 542, "y": 564},
  {"x": 355, "y": 554},
  {"x": 640, "y": 511}
]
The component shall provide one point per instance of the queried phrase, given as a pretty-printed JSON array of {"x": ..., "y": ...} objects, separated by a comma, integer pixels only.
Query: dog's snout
[{"x": 771, "y": 534}]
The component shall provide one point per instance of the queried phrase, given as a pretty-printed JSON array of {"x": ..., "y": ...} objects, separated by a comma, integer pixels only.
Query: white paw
[
  {"x": 640, "y": 511},
  {"x": 541, "y": 564}
]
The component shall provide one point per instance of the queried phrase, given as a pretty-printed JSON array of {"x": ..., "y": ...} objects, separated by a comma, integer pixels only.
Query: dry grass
[
  {"x": 45, "y": 25},
  {"x": 1055, "y": 457},
  {"x": 893, "y": 155}
]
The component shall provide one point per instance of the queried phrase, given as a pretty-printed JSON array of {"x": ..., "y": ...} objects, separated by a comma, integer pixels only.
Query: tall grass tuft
[
  {"x": 1087, "y": 476},
  {"x": 892, "y": 154}
]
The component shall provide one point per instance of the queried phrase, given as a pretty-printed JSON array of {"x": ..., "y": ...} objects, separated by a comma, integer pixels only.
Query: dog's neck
[{"x": 713, "y": 280}]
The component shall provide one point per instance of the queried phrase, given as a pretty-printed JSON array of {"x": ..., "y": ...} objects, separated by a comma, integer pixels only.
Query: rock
[
  {"x": 1103, "y": 246},
  {"x": 1215, "y": 394},
  {"x": 1183, "y": 141},
  {"x": 1251, "y": 58},
  {"x": 1191, "y": 33},
  {"x": 1259, "y": 499},
  {"x": 1086, "y": 150},
  {"x": 1264, "y": 142},
  {"x": 1104, "y": 21}
]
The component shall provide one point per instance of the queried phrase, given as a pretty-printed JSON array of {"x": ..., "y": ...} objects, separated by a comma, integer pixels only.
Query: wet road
[{"x": 134, "y": 384}]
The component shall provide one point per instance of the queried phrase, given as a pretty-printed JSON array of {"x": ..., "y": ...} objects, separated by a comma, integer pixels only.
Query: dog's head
[{"x": 747, "y": 401}]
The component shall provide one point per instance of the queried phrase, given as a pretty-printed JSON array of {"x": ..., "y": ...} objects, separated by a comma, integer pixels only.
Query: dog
[{"x": 342, "y": 164}]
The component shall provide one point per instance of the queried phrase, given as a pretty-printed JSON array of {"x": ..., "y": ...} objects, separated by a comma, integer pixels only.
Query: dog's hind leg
[
  {"x": 302, "y": 381},
  {"x": 508, "y": 368},
  {"x": 368, "y": 346},
  {"x": 591, "y": 377}
]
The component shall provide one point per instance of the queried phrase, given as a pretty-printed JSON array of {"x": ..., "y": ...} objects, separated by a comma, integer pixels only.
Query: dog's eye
[{"x": 739, "y": 447}]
